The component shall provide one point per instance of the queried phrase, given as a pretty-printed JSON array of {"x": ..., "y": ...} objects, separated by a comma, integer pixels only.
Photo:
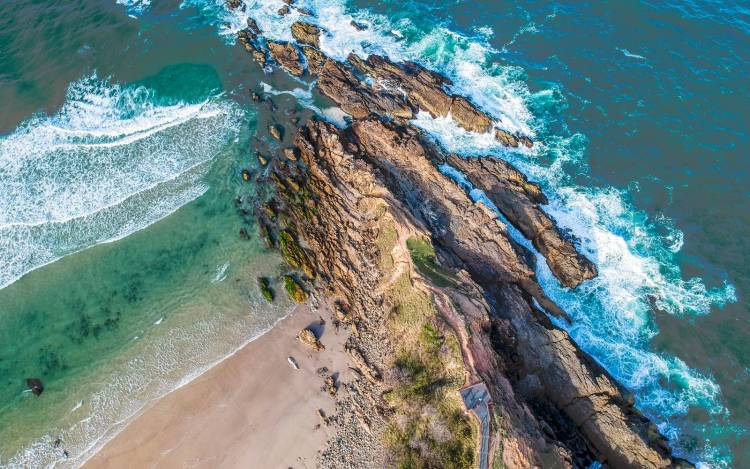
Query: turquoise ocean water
[{"x": 125, "y": 125}]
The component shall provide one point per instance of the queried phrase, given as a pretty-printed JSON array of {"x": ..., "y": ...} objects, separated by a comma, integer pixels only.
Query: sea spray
[
  {"x": 635, "y": 255},
  {"x": 108, "y": 163}
]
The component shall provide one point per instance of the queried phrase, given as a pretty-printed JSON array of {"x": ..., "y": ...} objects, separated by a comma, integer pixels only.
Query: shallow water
[{"x": 638, "y": 109}]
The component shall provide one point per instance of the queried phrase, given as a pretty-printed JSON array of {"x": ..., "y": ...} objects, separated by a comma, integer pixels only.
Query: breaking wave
[
  {"x": 111, "y": 161},
  {"x": 635, "y": 254}
]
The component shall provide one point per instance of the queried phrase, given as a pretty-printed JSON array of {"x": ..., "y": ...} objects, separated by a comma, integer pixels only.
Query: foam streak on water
[
  {"x": 635, "y": 255},
  {"x": 108, "y": 163}
]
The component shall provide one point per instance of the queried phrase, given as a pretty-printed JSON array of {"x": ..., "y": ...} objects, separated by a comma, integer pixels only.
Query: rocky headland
[{"x": 433, "y": 292}]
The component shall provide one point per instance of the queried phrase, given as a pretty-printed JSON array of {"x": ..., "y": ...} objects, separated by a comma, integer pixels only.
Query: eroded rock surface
[
  {"x": 287, "y": 56},
  {"x": 338, "y": 82},
  {"x": 519, "y": 201},
  {"x": 557, "y": 407},
  {"x": 306, "y": 33},
  {"x": 554, "y": 392}
]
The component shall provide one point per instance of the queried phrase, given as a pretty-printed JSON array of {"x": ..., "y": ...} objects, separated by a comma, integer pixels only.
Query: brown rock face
[
  {"x": 338, "y": 83},
  {"x": 465, "y": 228},
  {"x": 558, "y": 404},
  {"x": 425, "y": 91},
  {"x": 250, "y": 41},
  {"x": 306, "y": 33},
  {"x": 307, "y": 337},
  {"x": 519, "y": 201},
  {"x": 287, "y": 56},
  {"x": 315, "y": 59},
  {"x": 558, "y": 407}
]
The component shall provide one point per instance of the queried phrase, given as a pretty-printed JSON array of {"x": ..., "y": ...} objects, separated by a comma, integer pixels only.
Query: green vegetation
[
  {"x": 294, "y": 254},
  {"x": 423, "y": 256},
  {"x": 385, "y": 242},
  {"x": 265, "y": 288},
  {"x": 430, "y": 429},
  {"x": 294, "y": 289}
]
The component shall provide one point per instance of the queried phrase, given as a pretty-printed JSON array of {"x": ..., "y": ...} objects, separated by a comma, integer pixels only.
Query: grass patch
[
  {"x": 430, "y": 428},
  {"x": 386, "y": 241},
  {"x": 423, "y": 256}
]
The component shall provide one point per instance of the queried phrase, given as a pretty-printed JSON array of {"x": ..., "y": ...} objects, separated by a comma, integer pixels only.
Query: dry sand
[{"x": 253, "y": 410}]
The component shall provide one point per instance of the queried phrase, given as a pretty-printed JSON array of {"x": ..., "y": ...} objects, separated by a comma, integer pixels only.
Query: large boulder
[
  {"x": 356, "y": 98},
  {"x": 287, "y": 56},
  {"x": 306, "y": 33}
]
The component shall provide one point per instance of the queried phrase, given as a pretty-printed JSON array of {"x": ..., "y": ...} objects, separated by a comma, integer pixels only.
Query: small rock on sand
[{"x": 307, "y": 337}]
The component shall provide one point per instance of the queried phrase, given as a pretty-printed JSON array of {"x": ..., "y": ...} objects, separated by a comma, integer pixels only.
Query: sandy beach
[{"x": 251, "y": 410}]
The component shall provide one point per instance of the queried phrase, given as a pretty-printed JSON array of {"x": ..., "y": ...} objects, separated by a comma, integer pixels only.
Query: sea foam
[
  {"x": 111, "y": 161},
  {"x": 635, "y": 254}
]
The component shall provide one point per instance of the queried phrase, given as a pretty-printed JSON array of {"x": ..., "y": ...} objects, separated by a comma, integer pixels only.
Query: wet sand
[{"x": 251, "y": 410}]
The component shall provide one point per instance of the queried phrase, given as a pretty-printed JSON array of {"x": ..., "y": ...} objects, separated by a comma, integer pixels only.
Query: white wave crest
[
  {"x": 111, "y": 161},
  {"x": 638, "y": 270}
]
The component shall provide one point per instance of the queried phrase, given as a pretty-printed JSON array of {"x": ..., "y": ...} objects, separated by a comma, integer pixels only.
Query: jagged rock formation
[
  {"x": 287, "y": 56},
  {"x": 306, "y": 33},
  {"x": 338, "y": 82},
  {"x": 519, "y": 200},
  {"x": 579, "y": 404},
  {"x": 556, "y": 406}
]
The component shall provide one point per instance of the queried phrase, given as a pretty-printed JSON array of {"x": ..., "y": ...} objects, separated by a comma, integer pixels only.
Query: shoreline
[
  {"x": 118, "y": 427},
  {"x": 257, "y": 378}
]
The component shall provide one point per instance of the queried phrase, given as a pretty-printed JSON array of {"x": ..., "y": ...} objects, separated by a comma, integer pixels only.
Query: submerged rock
[
  {"x": 252, "y": 26},
  {"x": 265, "y": 288},
  {"x": 35, "y": 385},
  {"x": 276, "y": 132}
]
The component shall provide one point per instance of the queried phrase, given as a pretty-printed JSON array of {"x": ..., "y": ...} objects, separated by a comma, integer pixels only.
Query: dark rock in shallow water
[
  {"x": 306, "y": 33},
  {"x": 359, "y": 26},
  {"x": 276, "y": 131},
  {"x": 283, "y": 11},
  {"x": 249, "y": 41},
  {"x": 265, "y": 288},
  {"x": 35, "y": 385},
  {"x": 287, "y": 56},
  {"x": 291, "y": 153},
  {"x": 253, "y": 26}
]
